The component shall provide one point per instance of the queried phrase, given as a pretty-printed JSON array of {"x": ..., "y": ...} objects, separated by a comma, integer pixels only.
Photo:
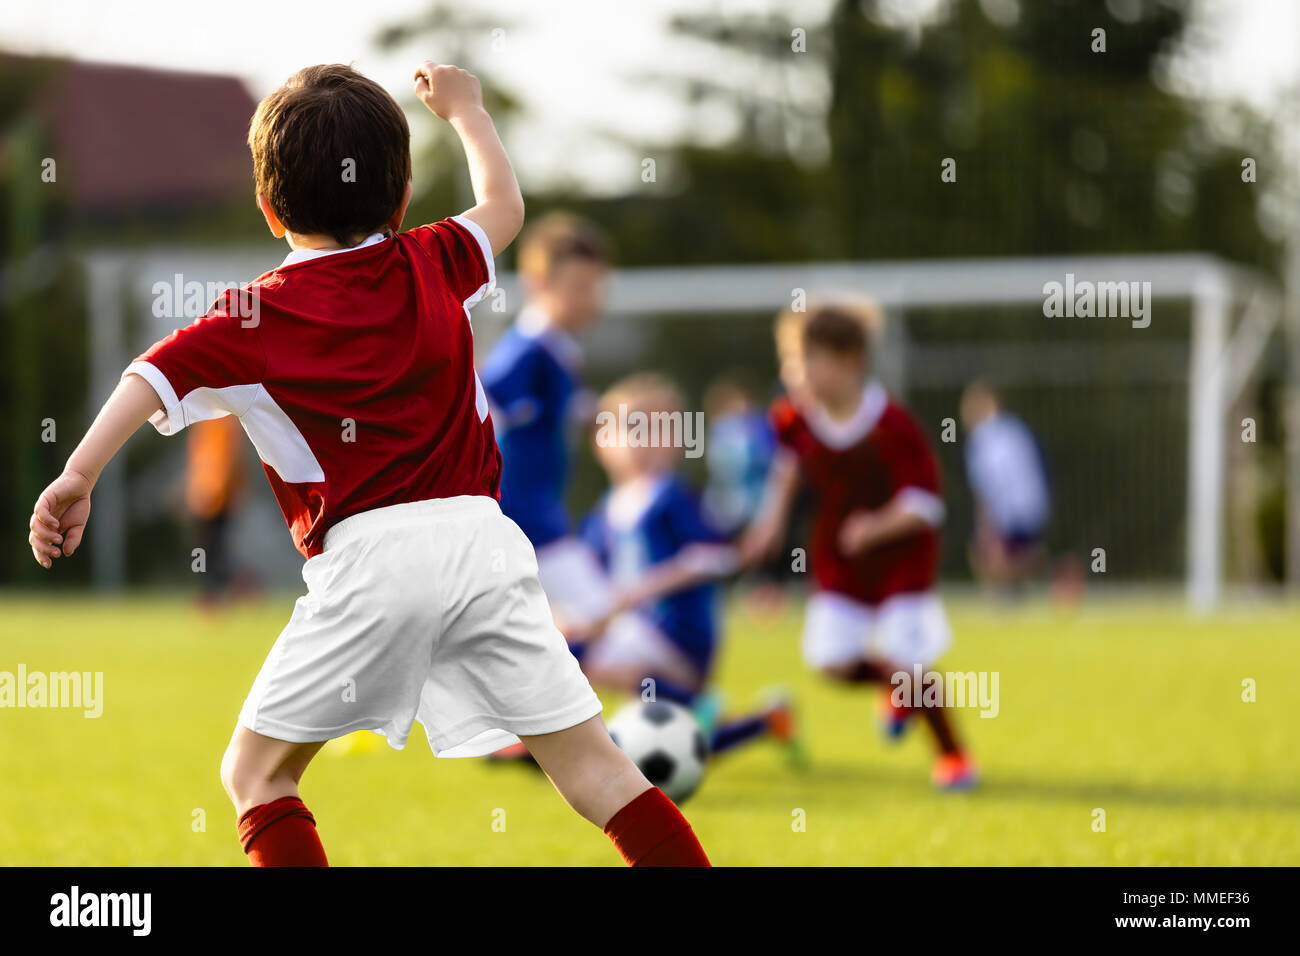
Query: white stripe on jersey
[{"x": 273, "y": 433}]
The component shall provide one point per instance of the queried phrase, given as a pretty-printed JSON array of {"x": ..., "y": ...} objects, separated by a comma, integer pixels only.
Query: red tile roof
[{"x": 130, "y": 137}]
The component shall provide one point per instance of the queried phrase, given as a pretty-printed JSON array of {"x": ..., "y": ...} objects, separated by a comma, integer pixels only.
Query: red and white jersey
[
  {"x": 863, "y": 463},
  {"x": 352, "y": 372}
]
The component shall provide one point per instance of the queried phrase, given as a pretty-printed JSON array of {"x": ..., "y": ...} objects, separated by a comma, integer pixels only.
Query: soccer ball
[{"x": 665, "y": 741}]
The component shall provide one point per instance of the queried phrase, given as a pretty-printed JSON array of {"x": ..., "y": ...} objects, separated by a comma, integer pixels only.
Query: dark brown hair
[
  {"x": 557, "y": 238},
  {"x": 302, "y": 137},
  {"x": 837, "y": 329}
]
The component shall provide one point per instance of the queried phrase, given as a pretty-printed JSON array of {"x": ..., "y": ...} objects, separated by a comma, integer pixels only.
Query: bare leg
[
  {"x": 261, "y": 776},
  {"x": 590, "y": 772},
  {"x": 258, "y": 769},
  {"x": 876, "y": 671}
]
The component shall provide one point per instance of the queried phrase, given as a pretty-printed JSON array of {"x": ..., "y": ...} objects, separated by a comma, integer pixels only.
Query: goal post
[{"x": 1233, "y": 313}]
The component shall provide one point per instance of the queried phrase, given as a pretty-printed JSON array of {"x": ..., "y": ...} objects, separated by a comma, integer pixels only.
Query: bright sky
[{"x": 575, "y": 62}]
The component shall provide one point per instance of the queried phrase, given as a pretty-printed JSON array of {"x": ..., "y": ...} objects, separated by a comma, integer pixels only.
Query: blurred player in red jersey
[
  {"x": 350, "y": 366},
  {"x": 875, "y": 538}
]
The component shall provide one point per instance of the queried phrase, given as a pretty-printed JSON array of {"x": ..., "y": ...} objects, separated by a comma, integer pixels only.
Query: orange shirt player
[{"x": 214, "y": 484}]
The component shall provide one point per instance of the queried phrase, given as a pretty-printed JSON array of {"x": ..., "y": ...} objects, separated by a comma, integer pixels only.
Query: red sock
[
  {"x": 941, "y": 727},
  {"x": 651, "y": 831},
  {"x": 281, "y": 833}
]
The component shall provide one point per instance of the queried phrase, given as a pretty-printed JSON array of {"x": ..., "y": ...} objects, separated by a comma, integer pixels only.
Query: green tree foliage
[{"x": 1059, "y": 146}]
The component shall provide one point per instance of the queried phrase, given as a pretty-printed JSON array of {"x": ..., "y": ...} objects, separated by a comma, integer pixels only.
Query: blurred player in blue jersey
[
  {"x": 738, "y": 454},
  {"x": 663, "y": 557},
  {"x": 1009, "y": 482},
  {"x": 534, "y": 387}
]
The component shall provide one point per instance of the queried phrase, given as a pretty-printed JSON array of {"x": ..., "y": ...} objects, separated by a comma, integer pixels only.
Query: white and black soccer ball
[{"x": 666, "y": 742}]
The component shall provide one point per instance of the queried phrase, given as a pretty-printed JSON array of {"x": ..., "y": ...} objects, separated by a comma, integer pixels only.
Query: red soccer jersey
[
  {"x": 862, "y": 464},
  {"x": 352, "y": 373}
]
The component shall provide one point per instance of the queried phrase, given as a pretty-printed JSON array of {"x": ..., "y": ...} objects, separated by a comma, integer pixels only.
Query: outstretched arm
[
  {"x": 763, "y": 536},
  {"x": 453, "y": 94},
  {"x": 864, "y": 530},
  {"x": 702, "y": 562},
  {"x": 59, "y": 516},
  {"x": 697, "y": 563}
]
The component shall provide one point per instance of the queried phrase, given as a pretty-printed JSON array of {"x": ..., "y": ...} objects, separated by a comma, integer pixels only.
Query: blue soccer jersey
[
  {"x": 740, "y": 454},
  {"x": 531, "y": 379},
  {"x": 633, "y": 529}
]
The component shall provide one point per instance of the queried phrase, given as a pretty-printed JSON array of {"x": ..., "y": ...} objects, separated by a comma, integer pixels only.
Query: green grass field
[{"x": 1125, "y": 706}]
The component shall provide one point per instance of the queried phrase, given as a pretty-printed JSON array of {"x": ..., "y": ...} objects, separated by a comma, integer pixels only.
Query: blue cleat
[{"x": 893, "y": 719}]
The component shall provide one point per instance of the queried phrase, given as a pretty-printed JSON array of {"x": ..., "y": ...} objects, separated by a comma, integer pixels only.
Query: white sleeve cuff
[
  {"x": 170, "y": 419},
  {"x": 485, "y": 247},
  {"x": 926, "y": 505}
]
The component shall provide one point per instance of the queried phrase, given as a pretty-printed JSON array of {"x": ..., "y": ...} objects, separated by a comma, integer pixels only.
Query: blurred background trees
[{"x": 805, "y": 137}]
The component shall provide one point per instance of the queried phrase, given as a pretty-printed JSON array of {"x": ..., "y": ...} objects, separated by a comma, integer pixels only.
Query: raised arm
[
  {"x": 59, "y": 517},
  {"x": 453, "y": 94},
  {"x": 763, "y": 536}
]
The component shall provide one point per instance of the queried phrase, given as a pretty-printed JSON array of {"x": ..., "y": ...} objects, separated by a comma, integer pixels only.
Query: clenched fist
[{"x": 447, "y": 90}]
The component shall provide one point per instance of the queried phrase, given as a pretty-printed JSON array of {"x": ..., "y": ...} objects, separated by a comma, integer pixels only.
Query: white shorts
[
  {"x": 633, "y": 642},
  {"x": 574, "y": 581},
  {"x": 905, "y": 629},
  {"x": 428, "y": 611}
]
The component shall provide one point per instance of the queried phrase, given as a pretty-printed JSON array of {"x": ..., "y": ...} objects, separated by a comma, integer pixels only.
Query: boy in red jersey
[
  {"x": 350, "y": 366},
  {"x": 875, "y": 539}
]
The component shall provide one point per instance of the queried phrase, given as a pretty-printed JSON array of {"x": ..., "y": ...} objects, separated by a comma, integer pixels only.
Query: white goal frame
[{"x": 1222, "y": 357}]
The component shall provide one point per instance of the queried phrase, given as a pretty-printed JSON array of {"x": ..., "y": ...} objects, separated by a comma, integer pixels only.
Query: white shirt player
[{"x": 1006, "y": 474}]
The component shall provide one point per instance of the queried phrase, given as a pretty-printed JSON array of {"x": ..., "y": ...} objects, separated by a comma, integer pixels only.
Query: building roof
[{"x": 127, "y": 137}]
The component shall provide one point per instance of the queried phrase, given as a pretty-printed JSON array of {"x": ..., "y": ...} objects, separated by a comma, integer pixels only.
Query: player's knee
[
  {"x": 243, "y": 778},
  {"x": 596, "y": 784},
  {"x": 599, "y": 760},
  {"x": 230, "y": 773},
  {"x": 609, "y": 783}
]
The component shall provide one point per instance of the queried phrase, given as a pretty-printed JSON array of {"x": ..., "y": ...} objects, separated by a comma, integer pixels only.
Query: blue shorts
[{"x": 1020, "y": 541}]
